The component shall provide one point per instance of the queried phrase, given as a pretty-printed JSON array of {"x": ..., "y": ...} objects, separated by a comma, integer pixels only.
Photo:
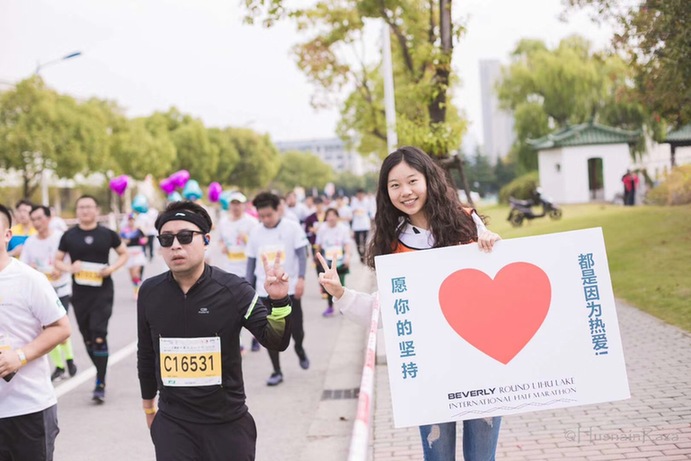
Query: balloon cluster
[
  {"x": 190, "y": 188},
  {"x": 119, "y": 185}
]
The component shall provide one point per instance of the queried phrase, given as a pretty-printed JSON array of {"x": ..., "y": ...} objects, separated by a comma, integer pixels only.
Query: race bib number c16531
[{"x": 189, "y": 362}]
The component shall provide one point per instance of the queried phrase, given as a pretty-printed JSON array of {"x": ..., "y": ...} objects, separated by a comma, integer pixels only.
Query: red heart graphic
[{"x": 498, "y": 317}]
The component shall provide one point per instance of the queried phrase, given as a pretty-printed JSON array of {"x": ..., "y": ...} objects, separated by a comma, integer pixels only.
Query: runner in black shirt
[
  {"x": 189, "y": 321},
  {"x": 88, "y": 244}
]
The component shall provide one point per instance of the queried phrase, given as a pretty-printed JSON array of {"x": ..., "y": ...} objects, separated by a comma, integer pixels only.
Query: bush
[
  {"x": 674, "y": 190},
  {"x": 523, "y": 187}
]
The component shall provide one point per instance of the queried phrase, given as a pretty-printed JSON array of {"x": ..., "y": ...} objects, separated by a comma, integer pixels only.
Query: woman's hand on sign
[
  {"x": 486, "y": 240},
  {"x": 329, "y": 278},
  {"x": 276, "y": 284}
]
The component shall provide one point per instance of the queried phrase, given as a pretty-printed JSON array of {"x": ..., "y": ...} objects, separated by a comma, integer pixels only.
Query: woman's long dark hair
[{"x": 448, "y": 223}]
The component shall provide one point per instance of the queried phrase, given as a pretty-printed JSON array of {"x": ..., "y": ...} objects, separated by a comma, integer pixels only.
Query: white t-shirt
[
  {"x": 234, "y": 236},
  {"x": 362, "y": 212},
  {"x": 285, "y": 238},
  {"x": 40, "y": 254},
  {"x": 333, "y": 241},
  {"x": 345, "y": 213},
  {"x": 27, "y": 304}
]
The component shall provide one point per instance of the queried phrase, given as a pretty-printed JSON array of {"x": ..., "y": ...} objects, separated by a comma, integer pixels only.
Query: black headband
[{"x": 182, "y": 215}]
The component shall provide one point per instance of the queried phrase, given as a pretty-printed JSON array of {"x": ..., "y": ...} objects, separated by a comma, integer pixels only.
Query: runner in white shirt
[
  {"x": 32, "y": 322},
  {"x": 39, "y": 252},
  {"x": 361, "y": 223},
  {"x": 333, "y": 242},
  {"x": 235, "y": 228},
  {"x": 284, "y": 237},
  {"x": 345, "y": 213}
]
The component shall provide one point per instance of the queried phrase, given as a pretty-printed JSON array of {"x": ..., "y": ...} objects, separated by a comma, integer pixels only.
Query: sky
[{"x": 149, "y": 55}]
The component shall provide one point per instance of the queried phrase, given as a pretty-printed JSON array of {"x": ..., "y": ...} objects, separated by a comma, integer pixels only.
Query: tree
[
  {"x": 653, "y": 37},
  {"x": 259, "y": 159},
  {"x": 143, "y": 147},
  {"x": 42, "y": 130},
  {"x": 422, "y": 36},
  {"x": 302, "y": 169},
  {"x": 228, "y": 155},
  {"x": 481, "y": 174},
  {"x": 550, "y": 89}
]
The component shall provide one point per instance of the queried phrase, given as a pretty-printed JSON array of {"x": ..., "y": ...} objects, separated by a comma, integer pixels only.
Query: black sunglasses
[{"x": 184, "y": 237}]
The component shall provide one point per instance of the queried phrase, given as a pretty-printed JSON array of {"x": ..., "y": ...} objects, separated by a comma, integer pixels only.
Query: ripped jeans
[{"x": 479, "y": 440}]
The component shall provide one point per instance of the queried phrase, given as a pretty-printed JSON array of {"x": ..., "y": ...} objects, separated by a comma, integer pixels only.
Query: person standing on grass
[{"x": 418, "y": 209}]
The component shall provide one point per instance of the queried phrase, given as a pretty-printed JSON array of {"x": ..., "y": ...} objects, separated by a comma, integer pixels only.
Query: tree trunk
[
  {"x": 455, "y": 162},
  {"x": 442, "y": 71}
]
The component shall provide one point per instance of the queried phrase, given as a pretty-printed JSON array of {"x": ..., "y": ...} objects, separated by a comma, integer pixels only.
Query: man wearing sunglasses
[{"x": 189, "y": 321}]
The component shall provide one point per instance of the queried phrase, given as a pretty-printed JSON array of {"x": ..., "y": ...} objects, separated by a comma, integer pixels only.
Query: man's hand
[
  {"x": 276, "y": 284},
  {"x": 9, "y": 362},
  {"x": 329, "y": 278}
]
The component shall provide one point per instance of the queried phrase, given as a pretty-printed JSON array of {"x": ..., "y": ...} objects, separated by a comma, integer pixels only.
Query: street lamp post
[
  {"x": 40, "y": 66},
  {"x": 45, "y": 175}
]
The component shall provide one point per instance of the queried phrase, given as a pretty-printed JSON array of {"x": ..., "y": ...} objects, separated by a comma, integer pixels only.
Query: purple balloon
[
  {"x": 167, "y": 185},
  {"x": 180, "y": 178},
  {"x": 215, "y": 190},
  {"x": 119, "y": 184}
]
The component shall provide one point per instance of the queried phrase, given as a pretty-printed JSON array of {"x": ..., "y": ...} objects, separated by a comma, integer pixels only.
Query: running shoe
[
  {"x": 275, "y": 379},
  {"x": 57, "y": 374},
  {"x": 304, "y": 361},
  {"x": 99, "y": 395},
  {"x": 255, "y": 345},
  {"x": 329, "y": 312},
  {"x": 71, "y": 367}
]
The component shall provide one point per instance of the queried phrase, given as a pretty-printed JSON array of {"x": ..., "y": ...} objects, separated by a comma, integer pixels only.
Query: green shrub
[
  {"x": 674, "y": 190},
  {"x": 523, "y": 187}
]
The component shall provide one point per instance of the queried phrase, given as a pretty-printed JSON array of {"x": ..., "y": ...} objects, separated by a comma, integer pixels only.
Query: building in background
[
  {"x": 497, "y": 124},
  {"x": 331, "y": 151}
]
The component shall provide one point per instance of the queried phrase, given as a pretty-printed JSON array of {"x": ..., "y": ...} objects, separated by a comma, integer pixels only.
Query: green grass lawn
[{"x": 648, "y": 247}]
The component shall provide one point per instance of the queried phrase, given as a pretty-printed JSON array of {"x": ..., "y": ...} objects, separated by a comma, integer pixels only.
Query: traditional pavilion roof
[
  {"x": 680, "y": 135},
  {"x": 585, "y": 134}
]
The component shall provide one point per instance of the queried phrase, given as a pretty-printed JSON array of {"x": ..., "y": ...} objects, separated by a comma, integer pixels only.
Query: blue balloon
[
  {"x": 192, "y": 191},
  {"x": 175, "y": 197},
  {"x": 140, "y": 204},
  {"x": 224, "y": 199}
]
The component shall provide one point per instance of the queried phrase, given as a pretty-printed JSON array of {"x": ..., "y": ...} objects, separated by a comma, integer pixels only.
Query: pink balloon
[
  {"x": 180, "y": 178},
  {"x": 215, "y": 190},
  {"x": 119, "y": 184},
  {"x": 167, "y": 185}
]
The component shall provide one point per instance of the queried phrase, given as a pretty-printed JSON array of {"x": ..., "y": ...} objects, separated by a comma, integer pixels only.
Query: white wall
[
  {"x": 570, "y": 185},
  {"x": 657, "y": 160}
]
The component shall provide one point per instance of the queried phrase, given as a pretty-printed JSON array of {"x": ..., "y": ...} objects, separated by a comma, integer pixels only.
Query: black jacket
[{"x": 217, "y": 305}]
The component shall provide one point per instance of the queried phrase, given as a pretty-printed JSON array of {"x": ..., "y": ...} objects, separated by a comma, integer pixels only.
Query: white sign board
[{"x": 530, "y": 326}]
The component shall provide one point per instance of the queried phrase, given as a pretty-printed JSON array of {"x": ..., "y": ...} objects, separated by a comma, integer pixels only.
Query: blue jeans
[{"x": 479, "y": 440}]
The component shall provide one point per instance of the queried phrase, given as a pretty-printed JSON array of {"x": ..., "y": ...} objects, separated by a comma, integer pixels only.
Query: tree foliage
[
  {"x": 551, "y": 89},
  {"x": 259, "y": 159},
  {"x": 422, "y": 35},
  {"x": 655, "y": 39},
  {"x": 302, "y": 169},
  {"x": 41, "y": 129}
]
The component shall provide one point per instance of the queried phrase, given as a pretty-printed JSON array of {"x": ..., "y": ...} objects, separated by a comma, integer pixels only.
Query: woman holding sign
[{"x": 417, "y": 209}]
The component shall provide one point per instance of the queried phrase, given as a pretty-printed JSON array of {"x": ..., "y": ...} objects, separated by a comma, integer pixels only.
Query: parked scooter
[{"x": 522, "y": 209}]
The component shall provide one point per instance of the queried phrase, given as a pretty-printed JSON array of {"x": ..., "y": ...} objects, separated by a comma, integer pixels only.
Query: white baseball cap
[{"x": 237, "y": 197}]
